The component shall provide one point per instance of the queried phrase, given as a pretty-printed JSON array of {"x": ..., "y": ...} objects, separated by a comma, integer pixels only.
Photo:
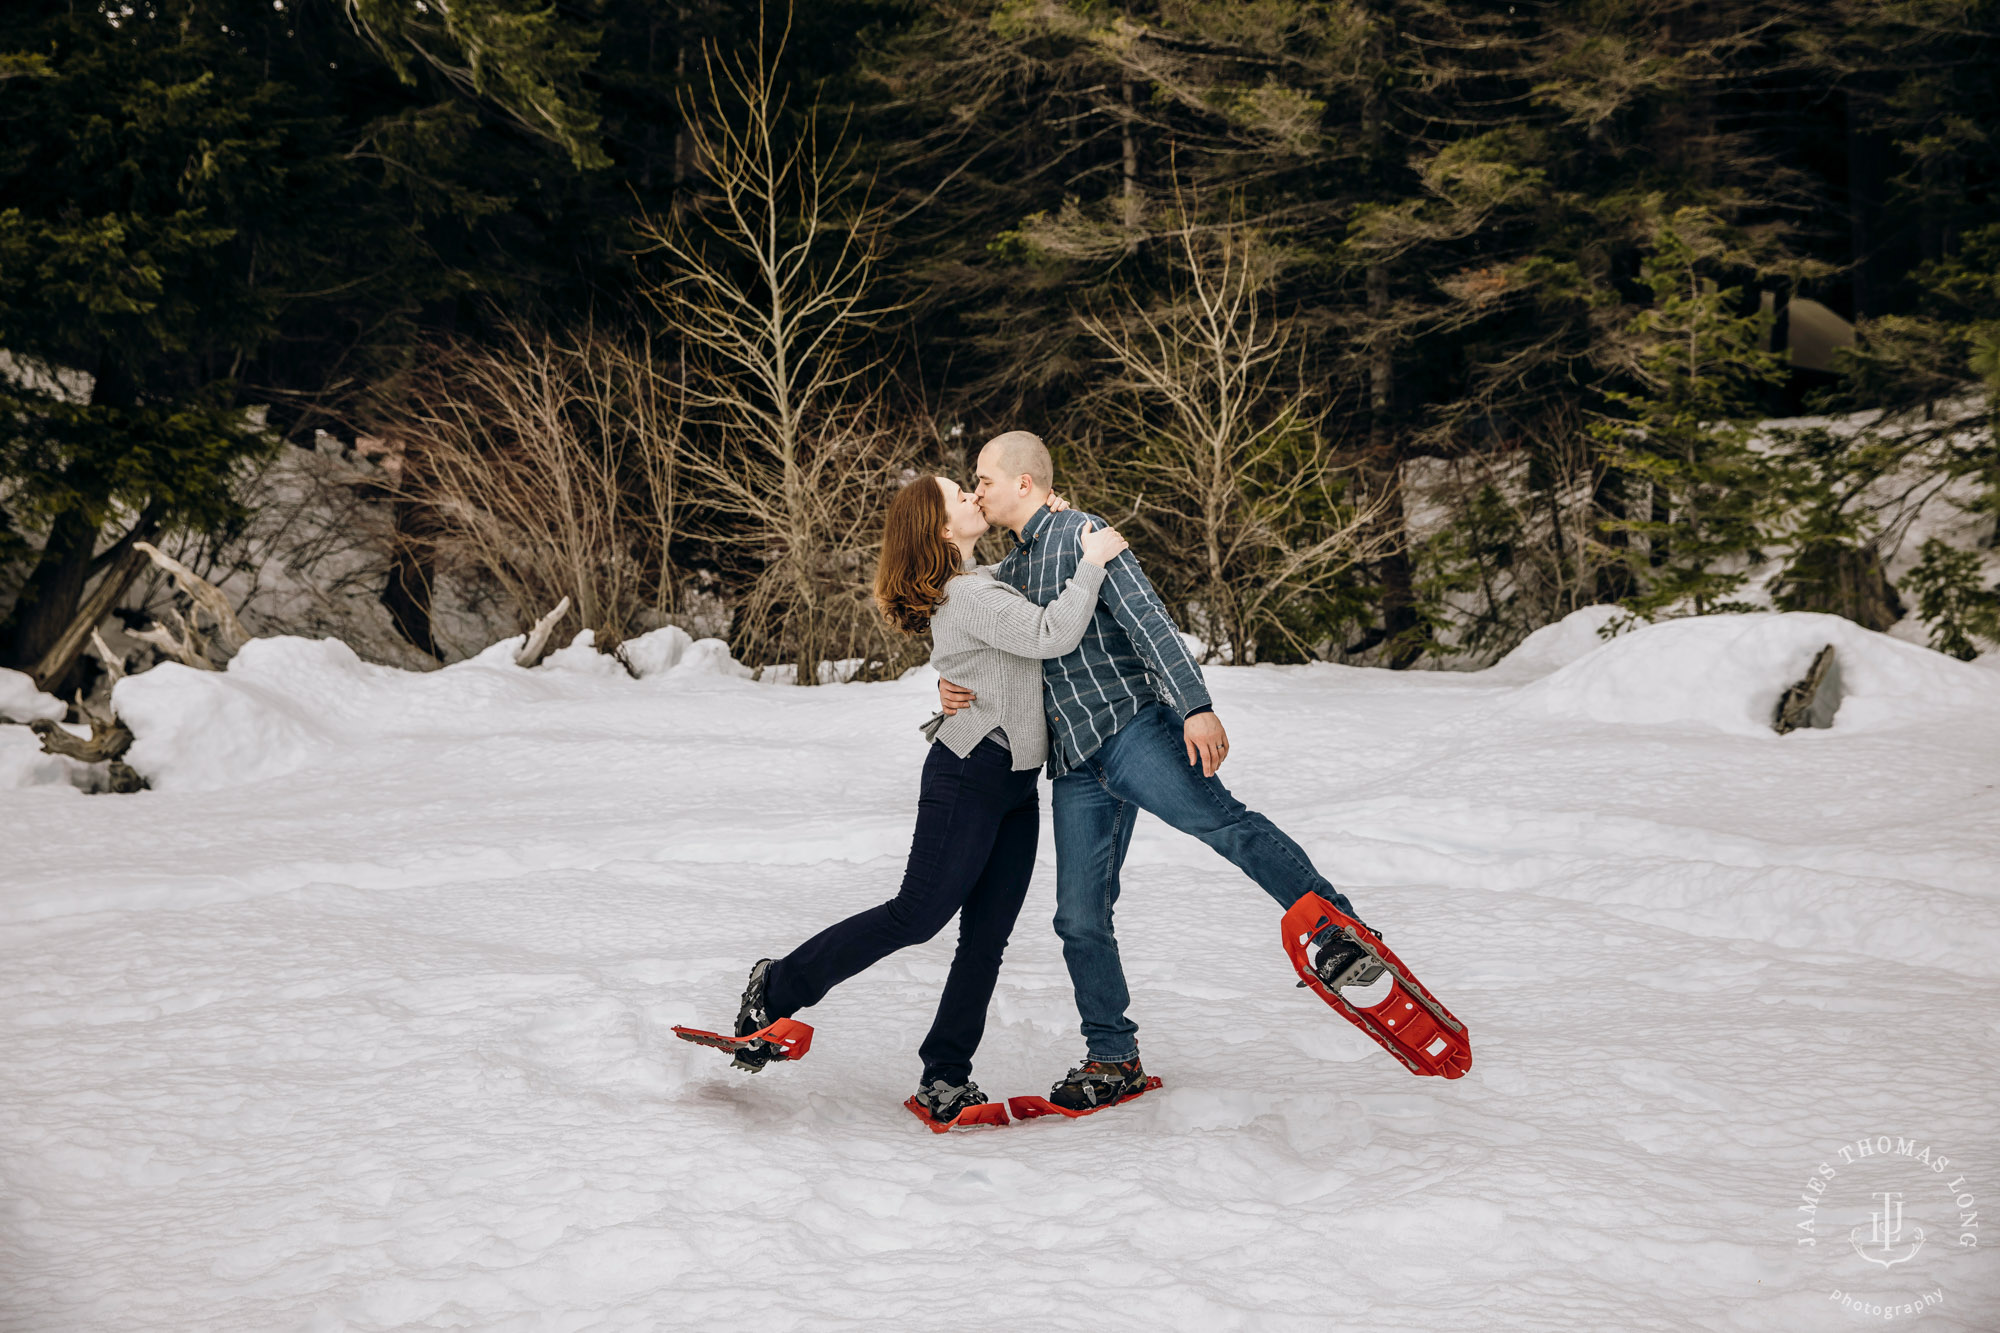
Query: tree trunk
[
  {"x": 1860, "y": 202},
  {"x": 53, "y": 669},
  {"x": 1399, "y": 600},
  {"x": 683, "y": 141},
  {"x": 1843, "y": 581},
  {"x": 49, "y": 598},
  {"x": 46, "y": 612},
  {"x": 1614, "y": 576},
  {"x": 407, "y": 594},
  {"x": 1128, "y": 143},
  {"x": 1399, "y": 603}
]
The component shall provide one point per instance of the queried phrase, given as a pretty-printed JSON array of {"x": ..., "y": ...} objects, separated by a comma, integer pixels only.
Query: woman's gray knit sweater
[{"x": 990, "y": 639}]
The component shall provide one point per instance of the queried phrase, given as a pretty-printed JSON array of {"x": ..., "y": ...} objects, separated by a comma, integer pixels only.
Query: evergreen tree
[
  {"x": 1462, "y": 193},
  {"x": 213, "y": 205},
  {"x": 1961, "y": 611},
  {"x": 1687, "y": 430}
]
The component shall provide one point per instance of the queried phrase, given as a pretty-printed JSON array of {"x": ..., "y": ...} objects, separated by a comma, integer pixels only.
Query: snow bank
[
  {"x": 710, "y": 657},
  {"x": 387, "y": 1044},
  {"x": 22, "y": 702},
  {"x": 280, "y": 702},
  {"x": 1728, "y": 671},
  {"x": 582, "y": 657},
  {"x": 830, "y": 673},
  {"x": 672, "y": 649},
  {"x": 288, "y": 703},
  {"x": 1551, "y": 647},
  {"x": 656, "y": 652},
  {"x": 22, "y": 763}
]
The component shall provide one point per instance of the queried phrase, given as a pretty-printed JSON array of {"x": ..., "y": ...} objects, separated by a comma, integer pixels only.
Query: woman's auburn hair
[{"x": 917, "y": 559}]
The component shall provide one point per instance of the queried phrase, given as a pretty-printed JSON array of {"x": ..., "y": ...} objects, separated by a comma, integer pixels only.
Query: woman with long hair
[{"x": 977, "y": 814}]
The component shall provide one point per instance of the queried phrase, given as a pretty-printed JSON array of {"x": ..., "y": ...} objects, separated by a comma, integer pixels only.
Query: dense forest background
[{"x": 1388, "y": 330}]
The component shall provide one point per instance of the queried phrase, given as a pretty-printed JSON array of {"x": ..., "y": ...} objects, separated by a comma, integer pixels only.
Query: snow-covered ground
[{"x": 359, "y": 1021}]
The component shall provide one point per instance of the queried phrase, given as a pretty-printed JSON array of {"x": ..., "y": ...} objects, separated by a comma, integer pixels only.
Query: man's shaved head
[{"x": 1017, "y": 453}]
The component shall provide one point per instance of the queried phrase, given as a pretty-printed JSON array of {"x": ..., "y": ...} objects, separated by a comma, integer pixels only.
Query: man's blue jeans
[{"x": 1144, "y": 767}]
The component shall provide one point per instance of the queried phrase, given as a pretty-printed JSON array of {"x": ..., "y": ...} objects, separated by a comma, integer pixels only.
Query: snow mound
[
  {"x": 658, "y": 651},
  {"x": 710, "y": 657},
  {"x": 582, "y": 657},
  {"x": 287, "y": 703},
  {"x": 22, "y": 702},
  {"x": 1728, "y": 671},
  {"x": 1553, "y": 647},
  {"x": 281, "y": 702}
]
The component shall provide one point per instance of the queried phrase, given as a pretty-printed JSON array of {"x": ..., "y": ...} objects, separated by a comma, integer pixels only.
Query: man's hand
[
  {"x": 1207, "y": 743},
  {"x": 953, "y": 698}
]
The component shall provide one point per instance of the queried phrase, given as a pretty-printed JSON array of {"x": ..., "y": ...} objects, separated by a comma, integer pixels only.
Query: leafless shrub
[
  {"x": 318, "y": 545},
  {"x": 1514, "y": 536},
  {"x": 549, "y": 463},
  {"x": 1245, "y": 501}
]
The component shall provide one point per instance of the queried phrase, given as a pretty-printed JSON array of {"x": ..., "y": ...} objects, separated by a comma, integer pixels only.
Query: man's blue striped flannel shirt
[{"x": 1131, "y": 654}]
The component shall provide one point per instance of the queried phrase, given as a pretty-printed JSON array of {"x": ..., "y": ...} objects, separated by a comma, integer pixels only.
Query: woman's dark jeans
[{"x": 974, "y": 850}]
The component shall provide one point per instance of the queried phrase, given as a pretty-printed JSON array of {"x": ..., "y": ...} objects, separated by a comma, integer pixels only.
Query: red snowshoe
[
  {"x": 1408, "y": 1023},
  {"x": 1030, "y": 1108},
  {"x": 788, "y": 1038},
  {"x": 972, "y": 1117}
]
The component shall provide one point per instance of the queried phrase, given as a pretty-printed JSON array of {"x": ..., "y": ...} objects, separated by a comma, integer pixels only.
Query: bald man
[{"x": 1131, "y": 729}]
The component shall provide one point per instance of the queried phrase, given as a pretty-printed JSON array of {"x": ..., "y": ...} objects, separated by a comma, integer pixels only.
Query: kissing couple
[{"x": 1061, "y": 655}]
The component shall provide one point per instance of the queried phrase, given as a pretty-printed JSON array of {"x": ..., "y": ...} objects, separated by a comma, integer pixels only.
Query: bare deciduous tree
[
  {"x": 1245, "y": 498},
  {"x": 766, "y": 279}
]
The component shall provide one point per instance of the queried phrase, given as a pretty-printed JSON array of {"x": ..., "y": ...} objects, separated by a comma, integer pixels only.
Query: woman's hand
[
  {"x": 1056, "y": 504},
  {"x": 1101, "y": 545}
]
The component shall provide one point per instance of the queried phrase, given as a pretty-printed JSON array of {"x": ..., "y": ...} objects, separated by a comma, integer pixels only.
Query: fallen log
[
  {"x": 107, "y": 743},
  {"x": 103, "y": 742}
]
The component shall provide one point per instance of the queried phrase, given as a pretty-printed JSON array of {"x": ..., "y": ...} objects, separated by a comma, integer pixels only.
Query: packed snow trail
[{"x": 361, "y": 1020}]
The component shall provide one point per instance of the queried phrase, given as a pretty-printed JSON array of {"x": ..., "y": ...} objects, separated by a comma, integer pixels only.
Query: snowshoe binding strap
[
  {"x": 1343, "y": 960},
  {"x": 945, "y": 1106},
  {"x": 1095, "y": 1085}
]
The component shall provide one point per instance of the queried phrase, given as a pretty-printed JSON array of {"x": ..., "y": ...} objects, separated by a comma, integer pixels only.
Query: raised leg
[{"x": 1146, "y": 764}]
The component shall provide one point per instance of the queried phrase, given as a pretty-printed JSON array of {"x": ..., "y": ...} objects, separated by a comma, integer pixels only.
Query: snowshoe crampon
[
  {"x": 787, "y": 1039},
  {"x": 1408, "y": 1023},
  {"x": 1030, "y": 1108},
  {"x": 972, "y": 1117}
]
